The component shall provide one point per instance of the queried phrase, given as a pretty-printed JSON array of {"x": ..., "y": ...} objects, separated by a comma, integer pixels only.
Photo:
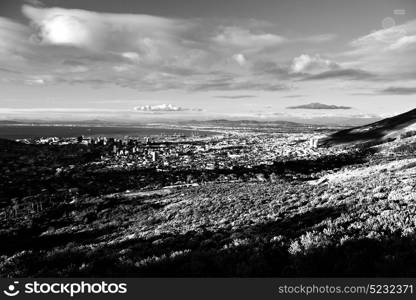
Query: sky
[{"x": 146, "y": 60}]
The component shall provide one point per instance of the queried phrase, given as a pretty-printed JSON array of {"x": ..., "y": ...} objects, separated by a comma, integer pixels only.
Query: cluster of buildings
[
  {"x": 198, "y": 153},
  {"x": 62, "y": 168}
]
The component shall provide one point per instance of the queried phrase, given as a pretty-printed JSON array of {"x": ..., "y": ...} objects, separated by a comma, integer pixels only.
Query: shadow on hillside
[
  {"x": 259, "y": 250},
  {"x": 394, "y": 256},
  {"x": 31, "y": 240},
  {"x": 207, "y": 255},
  {"x": 100, "y": 183}
]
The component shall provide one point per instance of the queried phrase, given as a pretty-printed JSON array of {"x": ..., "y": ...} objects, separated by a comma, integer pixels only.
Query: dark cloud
[
  {"x": 181, "y": 71},
  {"x": 286, "y": 71},
  {"x": 235, "y": 96},
  {"x": 270, "y": 68},
  {"x": 395, "y": 90},
  {"x": 293, "y": 96},
  {"x": 316, "y": 105},
  {"x": 37, "y": 3},
  {"x": 353, "y": 74},
  {"x": 232, "y": 85},
  {"x": 9, "y": 71},
  {"x": 363, "y": 94},
  {"x": 73, "y": 63}
]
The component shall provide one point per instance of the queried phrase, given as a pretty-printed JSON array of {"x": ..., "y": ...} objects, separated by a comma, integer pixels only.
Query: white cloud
[
  {"x": 161, "y": 107},
  {"x": 240, "y": 59},
  {"x": 384, "y": 38},
  {"x": 387, "y": 51},
  {"x": 133, "y": 56},
  {"x": 122, "y": 68},
  {"x": 100, "y": 31},
  {"x": 145, "y": 52},
  {"x": 311, "y": 64},
  {"x": 65, "y": 30},
  {"x": 403, "y": 42},
  {"x": 35, "y": 81}
]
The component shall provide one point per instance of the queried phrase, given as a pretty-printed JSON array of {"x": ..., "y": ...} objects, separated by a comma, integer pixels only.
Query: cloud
[
  {"x": 35, "y": 2},
  {"x": 5, "y": 70},
  {"x": 316, "y": 105},
  {"x": 244, "y": 38},
  {"x": 151, "y": 53},
  {"x": 262, "y": 67},
  {"x": 294, "y": 96},
  {"x": 399, "y": 91},
  {"x": 320, "y": 38},
  {"x": 306, "y": 64},
  {"x": 122, "y": 68},
  {"x": 13, "y": 40},
  {"x": 133, "y": 56},
  {"x": 403, "y": 42},
  {"x": 393, "y": 38},
  {"x": 235, "y": 96},
  {"x": 307, "y": 68},
  {"x": 159, "y": 108},
  {"x": 73, "y": 63},
  {"x": 144, "y": 52},
  {"x": 387, "y": 51},
  {"x": 240, "y": 59},
  {"x": 65, "y": 30},
  {"x": 248, "y": 40},
  {"x": 102, "y": 31},
  {"x": 351, "y": 74},
  {"x": 35, "y": 81},
  {"x": 236, "y": 85}
]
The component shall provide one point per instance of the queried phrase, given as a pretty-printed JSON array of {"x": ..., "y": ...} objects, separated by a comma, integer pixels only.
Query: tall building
[{"x": 154, "y": 155}]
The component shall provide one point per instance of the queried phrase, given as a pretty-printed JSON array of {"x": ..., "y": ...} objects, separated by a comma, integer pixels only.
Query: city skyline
[{"x": 152, "y": 60}]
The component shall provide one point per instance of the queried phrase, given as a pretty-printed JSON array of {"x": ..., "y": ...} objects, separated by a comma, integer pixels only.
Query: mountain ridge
[{"x": 377, "y": 132}]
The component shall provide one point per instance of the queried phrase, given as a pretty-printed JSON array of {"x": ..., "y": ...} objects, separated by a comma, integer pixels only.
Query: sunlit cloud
[
  {"x": 161, "y": 107},
  {"x": 240, "y": 59},
  {"x": 307, "y": 64}
]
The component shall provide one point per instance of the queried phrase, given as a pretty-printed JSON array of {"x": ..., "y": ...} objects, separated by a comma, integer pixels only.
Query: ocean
[{"x": 27, "y": 131}]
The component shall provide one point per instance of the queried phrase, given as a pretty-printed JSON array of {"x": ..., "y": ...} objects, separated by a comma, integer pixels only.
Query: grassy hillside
[{"x": 358, "y": 221}]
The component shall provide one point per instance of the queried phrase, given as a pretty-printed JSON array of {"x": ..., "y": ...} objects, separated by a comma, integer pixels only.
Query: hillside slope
[{"x": 378, "y": 132}]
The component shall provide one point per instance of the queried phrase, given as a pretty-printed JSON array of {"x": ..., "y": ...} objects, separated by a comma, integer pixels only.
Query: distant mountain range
[
  {"x": 378, "y": 132},
  {"x": 331, "y": 121},
  {"x": 242, "y": 123}
]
